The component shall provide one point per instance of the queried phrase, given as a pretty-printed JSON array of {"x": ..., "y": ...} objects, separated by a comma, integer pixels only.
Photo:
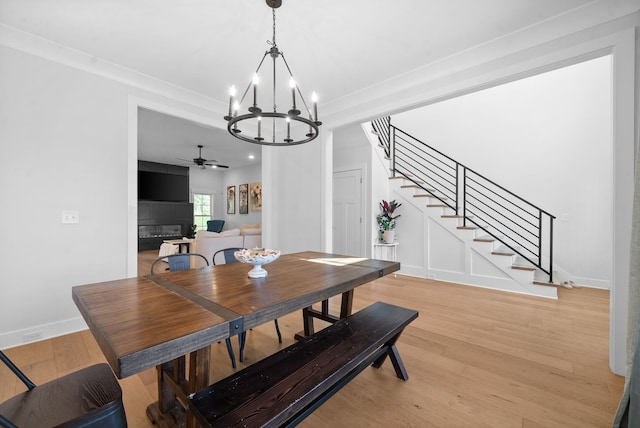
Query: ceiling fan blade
[{"x": 216, "y": 165}]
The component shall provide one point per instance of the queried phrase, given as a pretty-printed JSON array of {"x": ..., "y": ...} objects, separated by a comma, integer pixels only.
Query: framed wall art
[
  {"x": 255, "y": 196},
  {"x": 231, "y": 199},
  {"x": 243, "y": 199}
]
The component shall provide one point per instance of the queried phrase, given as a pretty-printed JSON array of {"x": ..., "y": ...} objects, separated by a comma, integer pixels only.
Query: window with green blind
[{"x": 202, "y": 209}]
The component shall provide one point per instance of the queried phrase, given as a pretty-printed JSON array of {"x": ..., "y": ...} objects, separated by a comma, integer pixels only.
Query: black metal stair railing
[
  {"x": 522, "y": 227},
  {"x": 381, "y": 128}
]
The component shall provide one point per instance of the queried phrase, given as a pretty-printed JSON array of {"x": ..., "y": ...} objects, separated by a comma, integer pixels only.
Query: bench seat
[{"x": 287, "y": 386}]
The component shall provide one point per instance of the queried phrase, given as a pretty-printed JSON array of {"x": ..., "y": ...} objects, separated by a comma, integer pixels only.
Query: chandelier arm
[
  {"x": 250, "y": 82},
  {"x": 297, "y": 86},
  {"x": 275, "y": 107}
]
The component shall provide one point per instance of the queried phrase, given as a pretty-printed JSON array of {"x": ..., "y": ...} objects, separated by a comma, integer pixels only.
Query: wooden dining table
[{"x": 164, "y": 319}]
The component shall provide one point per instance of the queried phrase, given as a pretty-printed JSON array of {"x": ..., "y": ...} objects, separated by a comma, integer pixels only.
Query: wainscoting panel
[{"x": 446, "y": 250}]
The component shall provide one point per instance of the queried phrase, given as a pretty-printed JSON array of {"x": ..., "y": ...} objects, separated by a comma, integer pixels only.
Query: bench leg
[
  {"x": 394, "y": 355},
  {"x": 398, "y": 365}
]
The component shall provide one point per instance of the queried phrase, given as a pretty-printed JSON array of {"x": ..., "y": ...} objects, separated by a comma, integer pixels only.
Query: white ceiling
[{"x": 334, "y": 47}]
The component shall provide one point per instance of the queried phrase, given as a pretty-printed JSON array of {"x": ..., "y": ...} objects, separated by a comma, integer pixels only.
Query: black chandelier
[{"x": 273, "y": 127}]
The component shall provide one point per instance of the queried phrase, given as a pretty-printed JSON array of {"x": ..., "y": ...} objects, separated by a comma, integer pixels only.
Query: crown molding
[
  {"x": 34, "y": 45},
  {"x": 508, "y": 58}
]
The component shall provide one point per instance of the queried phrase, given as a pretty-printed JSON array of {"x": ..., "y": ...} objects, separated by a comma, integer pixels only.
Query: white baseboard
[{"x": 41, "y": 332}]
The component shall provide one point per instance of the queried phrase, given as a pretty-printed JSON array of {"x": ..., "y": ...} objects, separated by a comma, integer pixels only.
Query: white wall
[
  {"x": 293, "y": 196},
  {"x": 547, "y": 138},
  {"x": 64, "y": 145}
]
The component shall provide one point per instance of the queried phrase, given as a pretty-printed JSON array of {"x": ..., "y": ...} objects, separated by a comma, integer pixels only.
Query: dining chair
[
  {"x": 90, "y": 397},
  {"x": 227, "y": 254},
  {"x": 182, "y": 261},
  {"x": 229, "y": 257}
]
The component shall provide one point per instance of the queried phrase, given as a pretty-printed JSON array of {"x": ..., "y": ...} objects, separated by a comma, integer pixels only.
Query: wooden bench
[{"x": 286, "y": 387}]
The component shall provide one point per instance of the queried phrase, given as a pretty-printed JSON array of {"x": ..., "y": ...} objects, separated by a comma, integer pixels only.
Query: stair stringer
[{"x": 424, "y": 236}]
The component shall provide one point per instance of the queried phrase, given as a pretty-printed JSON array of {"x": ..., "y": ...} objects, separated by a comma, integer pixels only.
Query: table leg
[
  {"x": 174, "y": 386},
  {"x": 198, "y": 377},
  {"x": 308, "y": 314},
  {"x": 347, "y": 304},
  {"x": 307, "y": 321}
]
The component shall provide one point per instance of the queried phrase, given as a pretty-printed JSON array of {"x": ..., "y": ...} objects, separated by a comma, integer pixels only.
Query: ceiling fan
[{"x": 202, "y": 162}]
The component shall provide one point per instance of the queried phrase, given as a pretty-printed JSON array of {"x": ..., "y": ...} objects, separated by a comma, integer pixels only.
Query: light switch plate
[{"x": 69, "y": 217}]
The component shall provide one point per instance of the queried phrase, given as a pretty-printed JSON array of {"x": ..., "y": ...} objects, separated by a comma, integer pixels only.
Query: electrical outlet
[
  {"x": 431, "y": 276},
  {"x": 32, "y": 337},
  {"x": 69, "y": 217}
]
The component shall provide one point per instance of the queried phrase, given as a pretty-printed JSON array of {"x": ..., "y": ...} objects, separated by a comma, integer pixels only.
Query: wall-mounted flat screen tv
[{"x": 156, "y": 186}]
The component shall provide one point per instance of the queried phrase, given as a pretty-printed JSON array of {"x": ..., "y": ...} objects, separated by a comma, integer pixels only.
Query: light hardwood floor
[{"x": 475, "y": 357}]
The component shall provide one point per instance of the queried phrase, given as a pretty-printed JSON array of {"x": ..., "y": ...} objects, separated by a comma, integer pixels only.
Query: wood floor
[{"x": 475, "y": 357}]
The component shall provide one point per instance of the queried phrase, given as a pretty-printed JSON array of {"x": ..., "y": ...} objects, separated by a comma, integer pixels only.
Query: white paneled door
[{"x": 347, "y": 213}]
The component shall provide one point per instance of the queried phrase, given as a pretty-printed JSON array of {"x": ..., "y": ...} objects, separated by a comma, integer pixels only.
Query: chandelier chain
[{"x": 273, "y": 11}]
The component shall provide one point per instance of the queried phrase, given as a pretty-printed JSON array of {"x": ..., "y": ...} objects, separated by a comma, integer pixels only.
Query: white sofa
[{"x": 208, "y": 243}]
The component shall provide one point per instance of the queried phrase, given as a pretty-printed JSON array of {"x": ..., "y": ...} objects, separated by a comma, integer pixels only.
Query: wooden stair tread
[
  {"x": 427, "y": 195},
  {"x": 550, "y": 284},
  {"x": 521, "y": 267},
  {"x": 466, "y": 227},
  {"x": 436, "y": 206},
  {"x": 503, "y": 253}
]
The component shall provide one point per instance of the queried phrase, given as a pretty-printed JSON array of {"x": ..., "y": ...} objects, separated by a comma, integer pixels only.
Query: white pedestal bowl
[{"x": 257, "y": 257}]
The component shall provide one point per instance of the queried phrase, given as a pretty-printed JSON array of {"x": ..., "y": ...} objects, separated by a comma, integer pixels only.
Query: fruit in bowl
[{"x": 257, "y": 257}]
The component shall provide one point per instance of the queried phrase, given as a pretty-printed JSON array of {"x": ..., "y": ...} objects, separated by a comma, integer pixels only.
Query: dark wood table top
[{"x": 144, "y": 321}]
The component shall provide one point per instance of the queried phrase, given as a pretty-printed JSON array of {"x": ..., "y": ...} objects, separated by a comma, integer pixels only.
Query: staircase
[{"x": 459, "y": 226}]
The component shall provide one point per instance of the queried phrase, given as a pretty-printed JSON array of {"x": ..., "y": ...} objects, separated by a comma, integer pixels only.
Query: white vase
[{"x": 389, "y": 236}]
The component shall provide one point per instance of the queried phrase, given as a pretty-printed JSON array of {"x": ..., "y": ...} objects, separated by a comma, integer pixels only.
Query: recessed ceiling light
[{"x": 252, "y": 157}]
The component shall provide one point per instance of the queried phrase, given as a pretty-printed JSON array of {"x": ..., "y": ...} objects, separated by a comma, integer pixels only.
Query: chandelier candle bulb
[
  {"x": 310, "y": 128},
  {"x": 236, "y": 108},
  {"x": 256, "y": 79},
  {"x": 232, "y": 94},
  {"x": 292, "y": 83},
  {"x": 288, "y": 139},
  {"x": 259, "y": 128},
  {"x": 314, "y": 100}
]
